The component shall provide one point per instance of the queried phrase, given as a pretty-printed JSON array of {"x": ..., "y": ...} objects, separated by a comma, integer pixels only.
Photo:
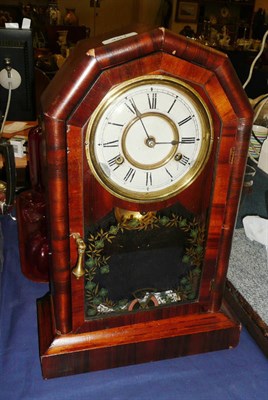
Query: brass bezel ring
[{"x": 177, "y": 186}]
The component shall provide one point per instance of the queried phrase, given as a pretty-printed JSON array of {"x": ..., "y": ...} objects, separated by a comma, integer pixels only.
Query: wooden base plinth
[{"x": 132, "y": 344}]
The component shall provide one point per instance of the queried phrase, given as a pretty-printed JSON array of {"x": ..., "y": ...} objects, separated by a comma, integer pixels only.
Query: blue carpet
[{"x": 240, "y": 373}]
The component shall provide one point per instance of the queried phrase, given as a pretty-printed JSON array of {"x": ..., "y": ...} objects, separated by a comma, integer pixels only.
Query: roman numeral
[
  {"x": 182, "y": 122},
  {"x": 184, "y": 160},
  {"x": 169, "y": 173},
  {"x": 113, "y": 143},
  {"x": 188, "y": 140},
  {"x": 115, "y": 124},
  {"x": 172, "y": 105},
  {"x": 152, "y": 100},
  {"x": 149, "y": 179},
  {"x": 130, "y": 175}
]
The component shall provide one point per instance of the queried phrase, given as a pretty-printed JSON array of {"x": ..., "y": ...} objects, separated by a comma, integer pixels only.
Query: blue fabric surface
[{"x": 240, "y": 373}]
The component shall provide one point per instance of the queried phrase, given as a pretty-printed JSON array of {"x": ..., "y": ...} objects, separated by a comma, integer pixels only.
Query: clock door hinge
[{"x": 212, "y": 285}]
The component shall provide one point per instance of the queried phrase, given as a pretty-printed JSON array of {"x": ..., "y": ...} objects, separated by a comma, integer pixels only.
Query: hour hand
[{"x": 172, "y": 142}]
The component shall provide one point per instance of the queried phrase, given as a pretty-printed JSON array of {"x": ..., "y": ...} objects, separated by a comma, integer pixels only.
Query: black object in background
[{"x": 16, "y": 45}]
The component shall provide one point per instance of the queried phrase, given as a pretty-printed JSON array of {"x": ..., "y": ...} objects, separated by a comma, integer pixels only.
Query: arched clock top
[{"x": 86, "y": 64}]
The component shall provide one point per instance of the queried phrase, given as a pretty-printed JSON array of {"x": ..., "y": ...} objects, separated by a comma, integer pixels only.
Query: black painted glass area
[{"x": 142, "y": 263}]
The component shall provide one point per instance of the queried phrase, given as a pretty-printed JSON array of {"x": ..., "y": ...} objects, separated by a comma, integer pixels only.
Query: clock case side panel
[
  {"x": 58, "y": 223},
  {"x": 237, "y": 161},
  {"x": 57, "y": 111},
  {"x": 237, "y": 130}
]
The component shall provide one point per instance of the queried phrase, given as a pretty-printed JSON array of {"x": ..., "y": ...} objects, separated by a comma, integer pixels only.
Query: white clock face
[{"x": 149, "y": 138}]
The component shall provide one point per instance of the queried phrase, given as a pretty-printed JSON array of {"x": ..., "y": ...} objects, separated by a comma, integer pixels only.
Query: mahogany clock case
[{"x": 89, "y": 320}]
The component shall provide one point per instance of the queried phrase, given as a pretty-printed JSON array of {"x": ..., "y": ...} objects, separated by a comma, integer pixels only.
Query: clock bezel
[{"x": 179, "y": 185}]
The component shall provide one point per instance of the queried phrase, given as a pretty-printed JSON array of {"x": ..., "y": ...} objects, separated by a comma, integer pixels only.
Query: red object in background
[{"x": 31, "y": 214}]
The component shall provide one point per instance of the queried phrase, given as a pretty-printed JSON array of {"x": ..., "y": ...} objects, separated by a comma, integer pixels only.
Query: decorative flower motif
[
  {"x": 99, "y": 244},
  {"x": 113, "y": 230},
  {"x": 105, "y": 269},
  {"x": 163, "y": 220}
]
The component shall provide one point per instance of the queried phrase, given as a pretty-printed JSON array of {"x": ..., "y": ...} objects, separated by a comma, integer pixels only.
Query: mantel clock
[{"x": 142, "y": 151}]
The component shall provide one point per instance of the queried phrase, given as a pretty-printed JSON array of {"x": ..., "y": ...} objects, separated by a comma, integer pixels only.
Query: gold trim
[
  {"x": 151, "y": 142},
  {"x": 3, "y": 187},
  {"x": 134, "y": 220}
]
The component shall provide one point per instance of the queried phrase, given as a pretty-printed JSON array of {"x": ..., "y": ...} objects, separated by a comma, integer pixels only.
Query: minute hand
[{"x": 139, "y": 115}]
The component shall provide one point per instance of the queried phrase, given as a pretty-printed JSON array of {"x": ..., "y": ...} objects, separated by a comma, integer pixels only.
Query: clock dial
[{"x": 149, "y": 138}]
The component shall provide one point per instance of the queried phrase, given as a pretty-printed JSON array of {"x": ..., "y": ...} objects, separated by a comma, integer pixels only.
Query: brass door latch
[{"x": 79, "y": 269}]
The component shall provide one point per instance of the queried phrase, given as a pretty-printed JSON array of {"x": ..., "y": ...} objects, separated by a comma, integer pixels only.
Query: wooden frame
[{"x": 186, "y": 11}]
